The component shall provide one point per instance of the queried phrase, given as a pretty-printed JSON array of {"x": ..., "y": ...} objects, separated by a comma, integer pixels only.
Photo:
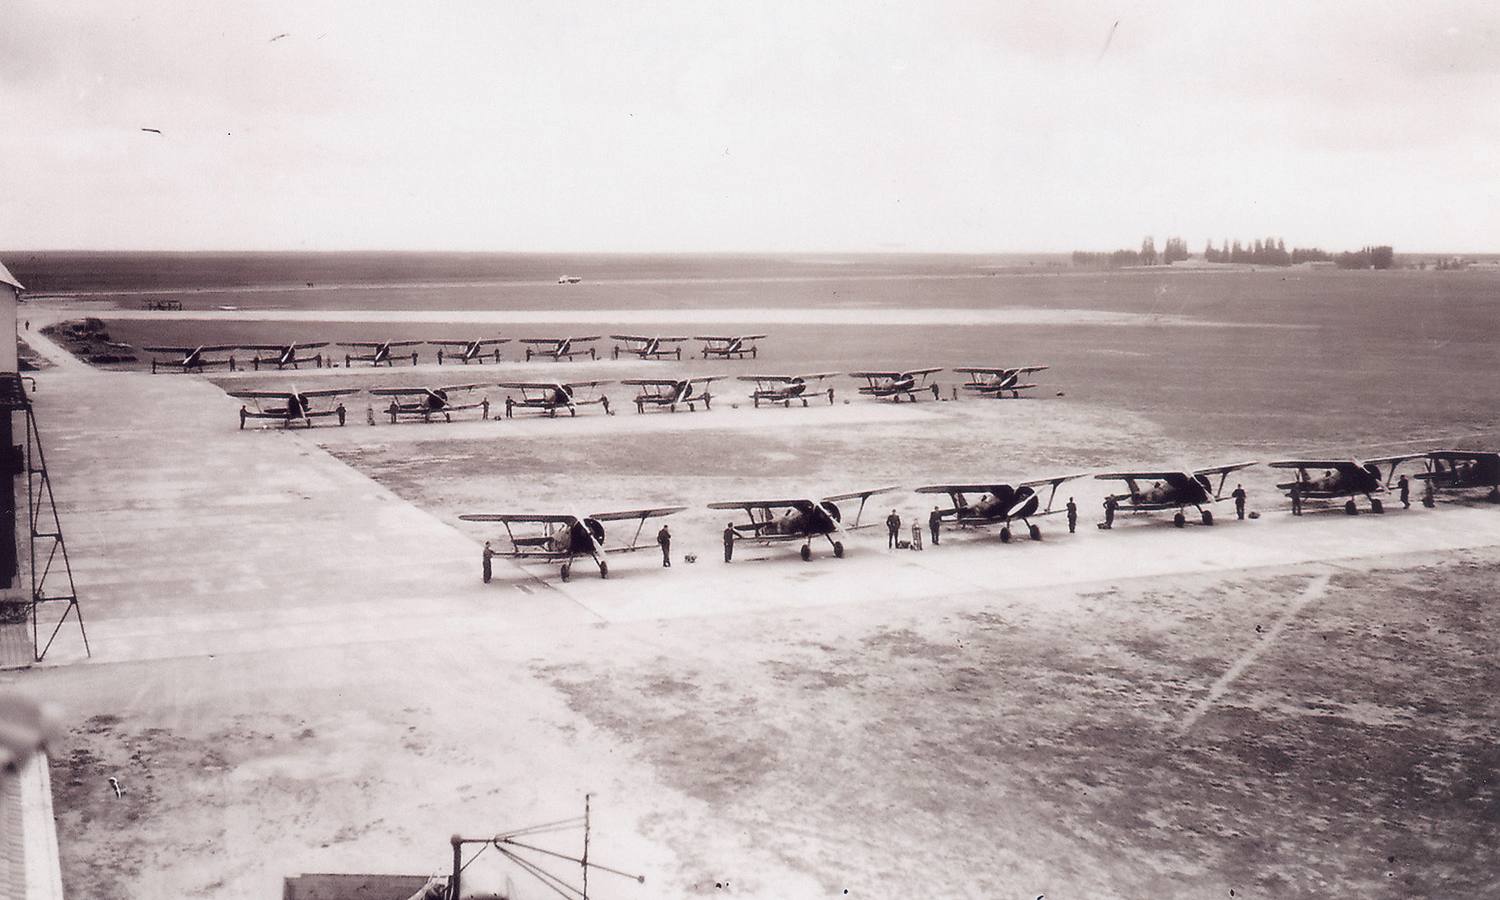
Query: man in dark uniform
[
  {"x": 664, "y": 540},
  {"x": 1072, "y": 516},
  {"x": 488, "y": 555},
  {"x": 1239, "y": 500},
  {"x": 484, "y": 404},
  {"x": 510, "y": 406},
  {"x": 1405, "y": 492},
  {"x": 1296, "y": 494},
  {"x": 728, "y": 541},
  {"x": 936, "y": 395},
  {"x": 893, "y": 529},
  {"x": 1110, "y": 505},
  {"x": 934, "y": 523}
]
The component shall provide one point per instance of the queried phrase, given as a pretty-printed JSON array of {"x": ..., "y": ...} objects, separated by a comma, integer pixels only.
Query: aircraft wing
[
  {"x": 398, "y": 392},
  {"x": 529, "y": 385},
  {"x": 863, "y": 494},
  {"x": 651, "y": 382},
  {"x": 467, "y": 343},
  {"x": 366, "y": 344},
  {"x": 652, "y": 513},
  {"x": 542, "y": 340},
  {"x": 206, "y": 348},
  {"x": 1225, "y": 470},
  {"x": 815, "y": 376},
  {"x": 271, "y": 348},
  {"x": 922, "y": 371},
  {"x": 284, "y": 395},
  {"x": 1461, "y": 454},
  {"x": 1004, "y": 370},
  {"x": 1142, "y": 476},
  {"x": 786, "y": 379},
  {"x": 802, "y": 503},
  {"x": 330, "y": 392},
  {"x": 461, "y": 387},
  {"x": 876, "y": 374},
  {"x": 588, "y": 384},
  {"x": 1312, "y": 464},
  {"x": 1052, "y": 481},
  {"x": 727, "y": 338},
  {"x": 959, "y": 488},
  {"x": 534, "y": 518}
]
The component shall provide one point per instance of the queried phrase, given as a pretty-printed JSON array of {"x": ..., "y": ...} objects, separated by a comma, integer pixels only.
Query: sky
[{"x": 759, "y": 126}]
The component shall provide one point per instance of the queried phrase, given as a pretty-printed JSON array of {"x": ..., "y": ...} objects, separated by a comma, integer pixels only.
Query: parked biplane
[
  {"x": 426, "y": 402},
  {"x": 672, "y": 393},
  {"x": 560, "y": 348},
  {"x": 296, "y": 406},
  {"x": 471, "y": 351},
  {"x": 1173, "y": 490},
  {"x": 999, "y": 504},
  {"x": 1455, "y": 470},
  {"x": 784, "y": 389},
  {"x": 997, "y": 382},
  {"x": 379, "y": 351},
  {"x": 550, "y": 396},
  {"x": 565, "y": 537},
  {"x": 782, "y": 521},
  {"x": 894, "y": 384},
  {"x": 649, "y": 347},
  {"x": 723, "y": 347},
  {"x": 189, "y": 358},
  {"x": 1342, "y": 478},
  {"x": 284, "y": 354}
]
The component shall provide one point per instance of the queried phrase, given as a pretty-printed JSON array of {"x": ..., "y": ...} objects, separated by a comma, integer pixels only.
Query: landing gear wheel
[
  {"x": 566, "y": 571},
  {"x": 1005, "y": 534},
  {"x": 1351, "y": 509},
  {"x": 603, "y": 569},
  {"x": 1376, "y": 506},
  {"x": 1035, "y": 531},
  {"x": 838, "y": 550},
  {"x": 1208, "y": 517},
  {"x": 1179, "y": 520},
  {"x": 806, "y": 553}
]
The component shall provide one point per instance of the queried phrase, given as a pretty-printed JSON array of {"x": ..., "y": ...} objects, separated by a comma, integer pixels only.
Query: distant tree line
[{"x": 1270, "y": 251}]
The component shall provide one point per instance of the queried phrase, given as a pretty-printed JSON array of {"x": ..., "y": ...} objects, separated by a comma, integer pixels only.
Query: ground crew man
[
  {"x": 1110, "y": 505},
  {"x": 1296, "y": 494},
  {"x": 1428, "y": 499},
  {"x": 604, "y": 402},
  {"x": 728, "y": 541},
  {"x": 1072, "y": 516},
  {"x": 934, "y": 523},
  {"x": 1239, "y": 500},
  {"x": 936, "y": 395},
  {"x": 340, "y": 410},
  {"x": 488, "y": 555},
  {"x": 664, "y": 540},
  {"x": 830, "y": 396},
  {"x": 414, "y": 357},
  {"x": 509, "y": 406},
  {"x": 484, "y": 404},
  {"x": 440, "y": 356},
  {"x": 893, "y": 529},
  {"x": 1405, "y": 492}
]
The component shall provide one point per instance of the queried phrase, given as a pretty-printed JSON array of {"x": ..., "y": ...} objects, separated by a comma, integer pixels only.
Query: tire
[
  {"x": 1179, "y": 520},
  {"x": 1376, "y": 506},
  {"x": 1005, "y": 534},
  {"x": 1035, "y": 531},
  {"x": 1208, "y": 517},
  {"x": 838, "y": 550},
  {"x": 806, "y": 553},
  {"x": 566, "y": 571},
  {"x": 1351, "y": 509}
]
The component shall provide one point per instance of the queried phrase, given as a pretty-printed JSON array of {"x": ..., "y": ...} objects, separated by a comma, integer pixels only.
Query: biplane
[
  {"x": 672, "y": 393},
  {"x": 999, "y": 504},
  {"x": 296, "y": 406},
  {"x": 998, "y": 382},
  {"x": 471, "y": 351},
  {"x": 784, "y": 389},
  {"x": 550, "y": 396},
  {"x": 723, "y": 347},
  {"x": 426, "y": 402},
  {"x": 894, "y": 384},
  {"x": 560, "y": 348},
  {"x": 1173, "y": 490},
  {"x": 1454, "y": 470},
  {"x": 1342, "y": 478},
  {"x": 379, "y": 351},
  {"x": 782, "y": 521},
  {"x": 565, "y": 537},
  {"x": 284, "y": 354},
  {"x": 649, "y": 347},
  {"x": 189, "y": 358}
]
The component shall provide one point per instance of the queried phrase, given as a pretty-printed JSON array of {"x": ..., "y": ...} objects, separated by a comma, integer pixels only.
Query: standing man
[
  {"x": 1072, "y": 516},
  {"x": 934, "y": 523},
  {"x": 893, "y": 530},
  {"x": 1296, "y": 494},
  {"x": 728, "y": 541},
  {"x": 936, "y": 395},
  {"x": 1405, "y": 492},
  {"x": 830, "y": 396},
  {"x": 664, "y": 540},
  {"x": 1239, "y": 500},
  {"x": 488, "y": 555},
  {"x": 484, "y": 404},
  {"x": 440, "y": 356},
  {"x": 1110, "y": 505},
  {"x": 510, "y": 405}
]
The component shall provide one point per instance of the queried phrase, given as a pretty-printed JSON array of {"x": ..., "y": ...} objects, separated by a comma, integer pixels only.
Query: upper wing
[
  {"x": 761, "y": 504},
  {"x": 651, "y": 382},
  {"x": 1006, "y": 370},
  {"x": 542, "y": 340},
  {"x": 183, "y": 350},
  {"x": 1224, "y": 470},
  {"x": 862, "y": 494},
  {"x": 651, "y": 513},
  {"x": 403, "y": 343},
  {"x": 461, "y": 387},
  {"x": 589, "y": 384},
  {"x": 1143, "y": 476},
  {"x": 876, "y": 374},
  {"x": 330, "y": 392},
  {"x": 961, "y": 488},
  {"x": 467, "y": 343},
  {"x": 922, "y": 371},
  {"x": 370, "y": 344},
  {"x": 260, "y": 395},
  {"x": 1312, "y": 464},
  {"x": 815, "y": 376},
  {"x": 277, "y": 348},
  {"x": 1462, "y": 454},
  {"x": 1053, "y": 481},
  {"x": 517, "y": 517},
  {"x": 631, "y": 337},
  {"x": 727, "y": 337},
  {"x": 781, "y": 378},
  {"x": 704, "y": 379},
  {"x": 529, "y": 385},
  {"x": 398, "y": 392}
]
